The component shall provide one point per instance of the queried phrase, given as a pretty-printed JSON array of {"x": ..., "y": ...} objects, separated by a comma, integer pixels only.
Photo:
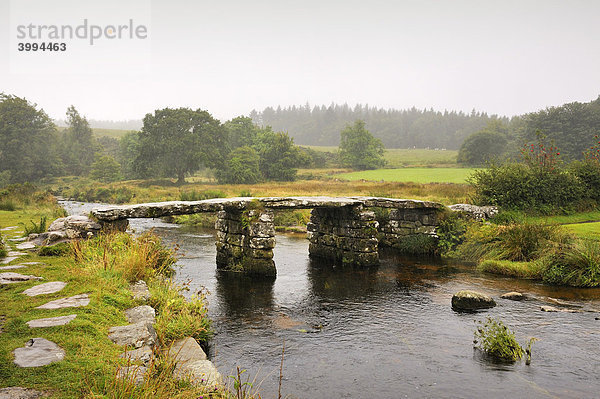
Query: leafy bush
[
  {"x": 495, "y": 339},
  {"x": 588, "y": 172},
  {"x": 575, "y": 265},
  {"x": 451, "y": 230},
  {"x": 508, "y": 217}
]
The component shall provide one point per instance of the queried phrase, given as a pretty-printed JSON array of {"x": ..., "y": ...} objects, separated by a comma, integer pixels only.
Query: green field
[
  {"x": 399, "y": 157},
  {"x": 114, "y": 133},
  {"x": 417, "y": 175},
  {"x": 585, "y": 230}
]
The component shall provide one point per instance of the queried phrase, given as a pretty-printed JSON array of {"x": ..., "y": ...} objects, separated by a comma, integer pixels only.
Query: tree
[
  {"x": 484, "y": 145},
  {"x": 175, "y": 142},
  {"x": 241, "y": 131},
  {"x": 105, "y": 169},
  {"x": 279, "y": 157},
  {"x": 129, "y": 148},
  {"x": 27, "y": 141},
  {"x": 79, "y": 146},
  {"x": 359, "y": 149},
  {"x": 242, "y": 167}
]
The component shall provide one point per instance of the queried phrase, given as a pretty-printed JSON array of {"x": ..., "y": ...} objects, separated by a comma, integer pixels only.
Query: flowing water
[{"x": 383, "y": 332}]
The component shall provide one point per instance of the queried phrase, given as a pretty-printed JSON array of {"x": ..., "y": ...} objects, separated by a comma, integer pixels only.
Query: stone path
[
  {"x": 38, "y": 352},
  {"x": 70, "y": 302},
  {"x": 15, "y": 253},
  {"x": 11, "y": 278},
  {"x": 25, "y": 245},
  {"x": 12, "y": 267},
  {"x": 51, "y": 321},
  {"x": 7, "y": 260},
  {"x": 46, "y": 288},
  {"x": 20, "y": 393}
]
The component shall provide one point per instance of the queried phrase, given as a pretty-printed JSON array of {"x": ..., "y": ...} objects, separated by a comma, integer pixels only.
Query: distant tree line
[
  {"x": 570, "y": 127},
  {"x": 321, "y": 125}
]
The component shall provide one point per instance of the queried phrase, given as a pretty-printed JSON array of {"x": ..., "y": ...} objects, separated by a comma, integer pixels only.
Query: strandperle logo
[{"x": 85, "y": 31}]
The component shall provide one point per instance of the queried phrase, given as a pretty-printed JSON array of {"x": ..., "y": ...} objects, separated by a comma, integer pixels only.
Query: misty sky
[{"x": 229, "y": 57}]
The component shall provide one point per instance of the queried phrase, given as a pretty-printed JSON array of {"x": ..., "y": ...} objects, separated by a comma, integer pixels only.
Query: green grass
[
  {"x": 399, "y": 157},
  {"x": 417, "y": 175},
  {"x": 585, "y": 230},
  {"x": 528, "y": 270}
]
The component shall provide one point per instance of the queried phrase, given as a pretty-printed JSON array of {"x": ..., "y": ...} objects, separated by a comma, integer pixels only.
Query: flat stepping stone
[
  {"x": 12, "y": 267},
  {"x": 25, "y": 245},
  {"x": 134, "y": 335},
  {"x": 70, "y": 302},
  {"x": 51, "y": 321},
  {"x": 46, "y": 288},
  {"x": 143, "y": 313},
  {"x": 15, "y": 253},
  {"x": 7, "y": 260},
  {"x": 31, "y": 263},
  {"x": 20, "y": 393},
  {"x": 10, "y": 278},
  {"x": 19, "y": 239},
  {"x": 38, "y": 352},
  {"x": 9, "y": 228}
]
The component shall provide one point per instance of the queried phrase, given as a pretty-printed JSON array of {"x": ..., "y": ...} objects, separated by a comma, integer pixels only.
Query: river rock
[
  {"x": 134, "y": 335},
  {"x": 10, "y": 277},
  {"x": 20, "y": 393},
  {"x": 192, "y": 363},
  {"x": 140, "y": 290},
  {"x": 553, "y": 309},
  {"x": 38, "y": 352},
  {"x": 46, "y": 288},
  {"x": 71, "y": 302},
  {"x": 513, "y": 296},
  {"x": 142, "y": 313},
  {"x": 471, "y": 300},
  {"x": 51, "y": 321},
  {"x": 143, "y": 355}
]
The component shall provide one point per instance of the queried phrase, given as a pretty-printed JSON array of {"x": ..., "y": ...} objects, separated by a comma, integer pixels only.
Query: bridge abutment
[
  {"x": 245, "y": 241},
  {"x": 347, "y": 235}
]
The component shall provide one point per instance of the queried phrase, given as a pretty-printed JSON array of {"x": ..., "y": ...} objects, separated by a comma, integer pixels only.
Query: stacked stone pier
[{"x": 342, "y": 229}]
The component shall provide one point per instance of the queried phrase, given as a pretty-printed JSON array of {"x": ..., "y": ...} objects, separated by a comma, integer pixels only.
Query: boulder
[
  {"x": 513, "y": 296},
  {"x": 142, "y": 355},
  {"x": 191, "y": 363},
  {"x": 475, "y": 212},
  {"x": 134, "y": 335},
  {"x": 471, "y": 300},
  {"x": 38, "y": 352},
  {"x": 67, "y": 228},
  {"x": 139, "y": 314},
  {"x": 134, "y": 374}
]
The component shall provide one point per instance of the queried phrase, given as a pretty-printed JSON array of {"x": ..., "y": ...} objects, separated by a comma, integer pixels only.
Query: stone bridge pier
[
  {"x": 346, "y": 235},
  {"x": 245, "y": 241}
]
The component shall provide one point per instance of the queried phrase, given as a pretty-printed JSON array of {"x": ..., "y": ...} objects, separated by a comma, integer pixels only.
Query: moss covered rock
[{"x": 471, "y": 300}]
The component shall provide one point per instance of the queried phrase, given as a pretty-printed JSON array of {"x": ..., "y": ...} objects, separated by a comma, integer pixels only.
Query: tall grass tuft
[
  {"x": 576, "y": 265},
  {"x": 495, "y": 339},
  {"x": 178, "y": 317},
  {"x": 35, "y": 228}
]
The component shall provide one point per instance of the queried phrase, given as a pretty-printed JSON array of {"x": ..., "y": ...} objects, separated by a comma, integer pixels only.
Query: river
[{"x": 383, "y": 332}]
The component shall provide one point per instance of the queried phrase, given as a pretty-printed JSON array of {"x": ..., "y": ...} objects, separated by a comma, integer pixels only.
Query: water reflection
[{"x": 244, "y": 296}]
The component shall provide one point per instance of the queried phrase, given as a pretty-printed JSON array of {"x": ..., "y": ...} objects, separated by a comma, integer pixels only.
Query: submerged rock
[
  {"x": 513, "y": 296},
  {"x": 471, "y": 300},
  {"x": 553, "y": 309}
]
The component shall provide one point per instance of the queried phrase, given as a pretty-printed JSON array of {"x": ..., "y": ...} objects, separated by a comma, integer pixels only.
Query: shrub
[
  {"x": 495, "y": 339},
  {"x": 575, "y": 265},
  {"x": 451, "y": 230},
  {"x": 588, "y": 172},
  {"x": 508, "y": 217}
]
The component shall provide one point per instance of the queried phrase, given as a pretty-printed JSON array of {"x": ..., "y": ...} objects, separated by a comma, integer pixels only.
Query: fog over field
[{"x": 231, "y": 57}]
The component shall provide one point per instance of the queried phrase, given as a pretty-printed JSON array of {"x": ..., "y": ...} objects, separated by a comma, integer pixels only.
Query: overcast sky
[{"x": 229, "y": 57}]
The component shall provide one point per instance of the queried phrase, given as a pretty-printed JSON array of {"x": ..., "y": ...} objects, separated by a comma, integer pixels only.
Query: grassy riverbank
[{"x": 103, "y": 268}]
